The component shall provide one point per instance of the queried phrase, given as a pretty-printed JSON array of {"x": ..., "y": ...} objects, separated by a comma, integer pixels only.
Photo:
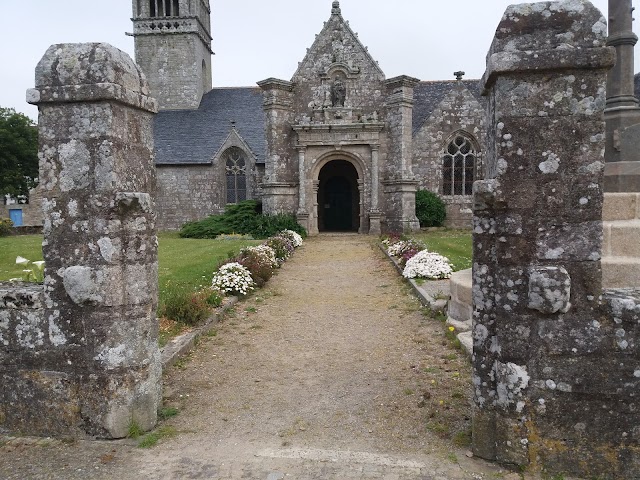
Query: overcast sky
[{"x": 257, "y": 39}]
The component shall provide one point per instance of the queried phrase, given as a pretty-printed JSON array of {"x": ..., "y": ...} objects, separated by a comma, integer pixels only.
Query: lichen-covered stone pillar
[
  {"x": 96, "y": 367},
  {"x": 280, "y": 185},
  {"x": 374, "y": 213},
  {"x": 302, "y": 216},
  {"x": 401, "y": 185},
  {"x": 545, "y": 356},
  {"x": 622, "y": 171}
]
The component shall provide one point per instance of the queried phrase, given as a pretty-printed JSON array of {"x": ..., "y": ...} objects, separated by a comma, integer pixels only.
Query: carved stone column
[
  {"x": 374, "y": 213},
  {"x": 401, "y": 187},
  {"x": 279, "y": 183},
  {"x": 302, "y": 214}
]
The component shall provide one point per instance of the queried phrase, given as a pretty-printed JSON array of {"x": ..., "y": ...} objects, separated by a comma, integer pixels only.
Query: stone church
[{"x": 339, "y": 145}]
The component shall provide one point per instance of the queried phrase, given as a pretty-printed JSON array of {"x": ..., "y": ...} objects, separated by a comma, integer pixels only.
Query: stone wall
[
  {"x": 555, "y": 361},
  {"x": 80, "y": 355},
  {"x": 458, "y": 112}
]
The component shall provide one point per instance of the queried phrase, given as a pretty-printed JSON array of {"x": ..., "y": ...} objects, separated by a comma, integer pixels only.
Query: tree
[{"x": 18, "y": 153}]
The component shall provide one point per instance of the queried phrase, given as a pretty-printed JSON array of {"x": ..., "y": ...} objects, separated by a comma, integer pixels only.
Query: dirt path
[{"x": 331, "y": 372}]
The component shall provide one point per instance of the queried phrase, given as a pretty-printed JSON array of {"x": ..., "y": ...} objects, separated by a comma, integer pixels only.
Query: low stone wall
[{"x": 460, "y": 307}]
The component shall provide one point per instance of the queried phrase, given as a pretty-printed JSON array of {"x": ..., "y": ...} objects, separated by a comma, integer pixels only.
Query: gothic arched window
[
  {"x": 236, "y": 172},
  {"x": 458, "y": 167}
]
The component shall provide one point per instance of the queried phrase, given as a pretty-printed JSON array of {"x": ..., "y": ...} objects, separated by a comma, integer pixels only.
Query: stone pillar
[
  {"x": 622, "y": 171},
  {"x": 548, "y": 378},
  {"x": 303, "y": 214},
  {"x": 96, "y": 364},
  {"x": 279, "y": 187},
  {"x": 401, "y": 185},
  {"x": 374, "y": 213}
]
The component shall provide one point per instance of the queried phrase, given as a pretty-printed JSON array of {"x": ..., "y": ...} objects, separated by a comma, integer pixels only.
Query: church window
[
  {"x": 458, "y": 169},
  {"x": 164, "y": 8},
  {"x": 236, "y": 173}
]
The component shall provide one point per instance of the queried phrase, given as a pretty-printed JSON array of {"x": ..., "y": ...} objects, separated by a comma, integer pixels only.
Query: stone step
[
  {"x": 461, "y": 286},
  {"x": 460, "y": 326},
  {"x": 466, "y": 340},
  {"x": 621, "y": 206},
  {"x": 620, "y": 272},
  {"x": 621, "y": 238}
]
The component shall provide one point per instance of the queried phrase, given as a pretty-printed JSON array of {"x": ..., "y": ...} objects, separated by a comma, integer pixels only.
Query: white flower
[
  {"x": 233, "y": 278},
  {"x": 295, "y": 237},
  {"x": 428, "y": 265},
  {"x": 21, "y": 261}
]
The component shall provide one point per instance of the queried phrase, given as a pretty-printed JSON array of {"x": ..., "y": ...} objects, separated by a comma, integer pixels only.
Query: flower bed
[{"x": 417, "y": 261}]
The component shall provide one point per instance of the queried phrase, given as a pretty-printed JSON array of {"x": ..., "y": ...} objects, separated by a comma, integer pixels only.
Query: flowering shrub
[
  {"x": 428, "y": 265},
  {"x": 6, "y": 226},
  {"x": 282, "y": 246},
  {"x": 185, "y": 306},
  {"x": 408, "y": 255},
  {"x": 233, "y": 279},
  {"x": 295, "y": 237},
  {"x": 400, "y": 247},
  {"x": 260, "y": 261}
]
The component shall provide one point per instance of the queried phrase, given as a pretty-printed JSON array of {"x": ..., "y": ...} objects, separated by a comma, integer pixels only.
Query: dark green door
[{"x": 338, "y": 205}]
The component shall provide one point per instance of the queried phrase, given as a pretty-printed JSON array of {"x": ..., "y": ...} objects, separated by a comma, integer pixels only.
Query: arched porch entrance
[{"x": 338, "y": 197}]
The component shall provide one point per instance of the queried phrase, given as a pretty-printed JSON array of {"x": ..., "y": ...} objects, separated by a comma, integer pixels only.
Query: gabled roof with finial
[{"x": 355, "y": 47}]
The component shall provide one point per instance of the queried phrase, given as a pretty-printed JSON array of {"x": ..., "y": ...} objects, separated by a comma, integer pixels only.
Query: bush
[
  {"x": 260, "y": 261},
  {"x": 6, "y": 227},
  {"x": 282, "y": 246},
  {"x": 239, "y": 218},
  {"x": 430, "y": 209},
  {"x": 188, "y": 307},
  {"x": 295, "y": 237},
  {"x": 244, "y": 218},
  {"x": 233, "y": 279},
  {"x": 428, "y": 265}
]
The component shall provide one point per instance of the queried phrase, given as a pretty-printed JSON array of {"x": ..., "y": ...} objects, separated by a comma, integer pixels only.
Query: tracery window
[
  {"x": 236, "y": 173},
  {"x": 459, "y": 165}
]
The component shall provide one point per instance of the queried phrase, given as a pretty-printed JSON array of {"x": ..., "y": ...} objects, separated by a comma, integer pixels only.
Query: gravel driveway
[{"x": 330, "y": 372}]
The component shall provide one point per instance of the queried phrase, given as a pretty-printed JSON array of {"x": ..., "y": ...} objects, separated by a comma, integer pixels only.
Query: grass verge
[{"x": 456, "y": 245}]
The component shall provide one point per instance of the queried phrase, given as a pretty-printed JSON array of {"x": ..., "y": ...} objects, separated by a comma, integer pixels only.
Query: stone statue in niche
[{"x": 338, "y": 93}]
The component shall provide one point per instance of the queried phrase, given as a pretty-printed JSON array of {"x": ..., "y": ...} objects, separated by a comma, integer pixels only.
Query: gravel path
[{"x": 330, "y": 372}]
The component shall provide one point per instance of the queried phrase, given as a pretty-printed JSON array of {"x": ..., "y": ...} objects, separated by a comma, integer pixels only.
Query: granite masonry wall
[
  {"x": 79, "y": 355},
  {"x": 458, "y": 113},
  {"x": 556, "y": 365}
]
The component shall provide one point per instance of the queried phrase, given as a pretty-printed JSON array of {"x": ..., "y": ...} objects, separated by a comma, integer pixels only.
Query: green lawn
[
  {"x": 185, "y": 261},
  {"x": 456, "y": 245},
  {"x": 27, "y": 246}
]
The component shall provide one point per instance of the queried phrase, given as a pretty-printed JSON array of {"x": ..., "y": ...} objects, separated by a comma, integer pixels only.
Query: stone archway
[{"x": 338, "y": 197}]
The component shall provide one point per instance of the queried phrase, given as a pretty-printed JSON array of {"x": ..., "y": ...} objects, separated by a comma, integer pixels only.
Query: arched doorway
[{"x": 338, "y": 198}]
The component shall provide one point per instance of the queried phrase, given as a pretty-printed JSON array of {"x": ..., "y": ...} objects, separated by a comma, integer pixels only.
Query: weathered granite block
[
  {"x": 555, "y": 361},
  {"x": 89, "y": 355}
]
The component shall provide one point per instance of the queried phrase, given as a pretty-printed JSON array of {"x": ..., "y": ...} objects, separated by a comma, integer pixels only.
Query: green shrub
[
  {"x": 6, "y": 227},
  {"x": 430, "y": 209},
  {"x": 186, "y": 306},
  {"x": 271, "y": 225},
  {"x": 244, "y": 218}
]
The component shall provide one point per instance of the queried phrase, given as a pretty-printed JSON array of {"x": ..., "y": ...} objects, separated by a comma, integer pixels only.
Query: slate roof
[
  {"x": 195, "y": 136},
  {"x": 428, "y": 95}
]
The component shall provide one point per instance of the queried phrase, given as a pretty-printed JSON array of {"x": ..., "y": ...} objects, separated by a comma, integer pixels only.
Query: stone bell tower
[{"x": 173, "y": 48}]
